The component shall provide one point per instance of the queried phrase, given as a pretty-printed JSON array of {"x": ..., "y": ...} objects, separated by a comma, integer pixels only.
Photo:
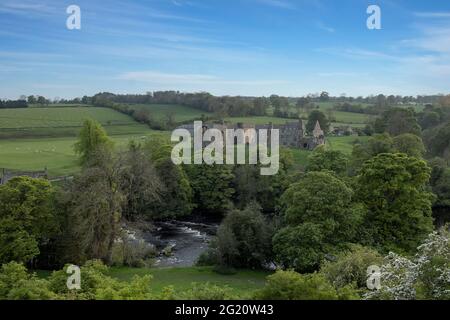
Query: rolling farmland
[{"x": 161, "y": 111}]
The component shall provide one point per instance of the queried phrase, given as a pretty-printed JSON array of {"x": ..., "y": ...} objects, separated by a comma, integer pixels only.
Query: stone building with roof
[{"x": 292, "y": 134}]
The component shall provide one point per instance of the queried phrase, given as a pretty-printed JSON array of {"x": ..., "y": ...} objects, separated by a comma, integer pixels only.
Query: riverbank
[{"x": 244, "y": 282}]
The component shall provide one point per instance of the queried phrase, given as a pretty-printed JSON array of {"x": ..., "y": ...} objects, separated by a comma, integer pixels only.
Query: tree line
[
  {"x": 13, "y": 104},
  {"x": 239, "y": 106}
]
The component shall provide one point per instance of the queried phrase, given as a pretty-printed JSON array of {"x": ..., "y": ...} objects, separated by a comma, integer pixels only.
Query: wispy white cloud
[
  {"x": 433, "y": 39},
  {"x": 187, "y": 3},
  {"x": 26, "y": 8},
  {"x": 324, "y": 27},
  {"x": 127, "y": 9},
  {"x": 441, "y": 14},
  {"x": 54, "y": 86},
  {"x": 153, "y": 76},
  {"x": 278, "y": 3},
  {"x": 161, "y": 78},
  {"x": 341, "y": 74},
  {"x": 357, "y": 53}
]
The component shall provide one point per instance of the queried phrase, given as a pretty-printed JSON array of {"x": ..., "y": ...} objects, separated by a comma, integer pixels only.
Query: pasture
[
  {"x": 243, "y": 283},
  {"x": 38, "y": 138},
  {"x": 55, "y": 154},
  {"x": 59, "y": 117},
  {"x": 339, "y": 118},
  {"x": 62, "y": 122},
  {"x": 58, "y": 156},
  {"x": 343, "y": 144},
  {"x": 162, "y": 111}
]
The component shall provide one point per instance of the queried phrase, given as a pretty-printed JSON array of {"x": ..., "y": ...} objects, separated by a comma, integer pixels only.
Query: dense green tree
[
  {"x": 300, "y": 247},
  {"x": 261, "y": 106},
  {"x": 140, "y": 182},
  {"x": 397, "y": 121},
  {"x": 392, "y": 187},
  {"x": 409, "y": 144},
  {"x": 320, "y": 217},
  {"x": 92, "y": 137},
  {"x": 27, "y": 218},
  {"x": 325, "y": 159},
  {"x": 445, "y": 101},
  {"x": 314, "y": 116},
  {"x": 212, "y": 186},
  {"x": 42, "y": 101},
  {"x": 429, "y": 119},
  {"x": 177, "y": 192},
  {"x": 93, "y": 205},
  {"x": 31, "y": 100},
  {"x": 250, "y": 185},
  {"x": 437, "y": 141},
  {"x": 381, "y": 102},
  {"x": 379, "y": 143},
  {"x": 324, "y": 96},
  {"x": 302, "y": 103},
  {"x": 244, "y": 239},
  {"x": 440, "y": 184}
]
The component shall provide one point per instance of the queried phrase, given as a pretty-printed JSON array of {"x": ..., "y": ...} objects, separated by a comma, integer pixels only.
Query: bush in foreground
[
  {"x": 350, "y": 268},
  {"x": 424, "y": 277},
  {"x": 290, "y": 285}
]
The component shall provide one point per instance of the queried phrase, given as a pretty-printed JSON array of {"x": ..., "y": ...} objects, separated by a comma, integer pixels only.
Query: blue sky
[{"x": 226, "y": 47}]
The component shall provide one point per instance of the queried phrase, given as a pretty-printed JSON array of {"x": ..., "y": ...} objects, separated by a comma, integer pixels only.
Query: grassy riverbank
[{"x": 243, "y": 283}]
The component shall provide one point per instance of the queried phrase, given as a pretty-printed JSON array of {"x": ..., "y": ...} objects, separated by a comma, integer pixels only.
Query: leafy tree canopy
[{"x": 392, "y": 187}]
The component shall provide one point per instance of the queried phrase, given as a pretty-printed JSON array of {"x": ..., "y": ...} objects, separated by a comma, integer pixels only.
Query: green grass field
[
  {"x": 60, "y": 105},
  {"x": 243, "y": 283},
  {"x": 350, "y": 117},
  {"x": 342, "y": 118},
  {"x": 59, "y": 117},
  {"x": 258, "y": 120},
  {"x": 56, "y": 154},
  {"x": 344, "y": 144},
  {"x": 63, "y": 122},
  {"x": 161, "y": 111},
  {"x": 38, "y": 138}
]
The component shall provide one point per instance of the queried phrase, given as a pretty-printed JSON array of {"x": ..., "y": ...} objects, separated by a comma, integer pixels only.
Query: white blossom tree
[{"x": 426, "y": 276}]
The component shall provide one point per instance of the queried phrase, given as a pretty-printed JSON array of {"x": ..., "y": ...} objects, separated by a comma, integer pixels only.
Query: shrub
[
  {"x": 207, "y": 291},
  {"x": 290, "y": 285},
  {"x": 17, "y": 284},
  {"x": 425, "y": 277},
  {"x": 135, "y": 254},
  {"x": 210, "y": 257},
  {"x": 96, "y": 284},
  {"x": 299, "y": 247},
  {"x": 244, "y": 239},
  {"x": 351, "y": 267}
]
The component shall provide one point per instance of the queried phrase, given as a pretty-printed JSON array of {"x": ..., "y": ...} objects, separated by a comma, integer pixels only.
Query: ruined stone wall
[{"x": 6, "y": 175}]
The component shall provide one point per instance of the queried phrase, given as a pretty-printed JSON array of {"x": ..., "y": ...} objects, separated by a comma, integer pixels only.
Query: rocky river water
[{"x": 180, "y": 242}]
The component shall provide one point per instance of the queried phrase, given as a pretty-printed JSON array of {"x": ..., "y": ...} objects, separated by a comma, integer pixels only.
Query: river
[{"x": 183, "y": 241}]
